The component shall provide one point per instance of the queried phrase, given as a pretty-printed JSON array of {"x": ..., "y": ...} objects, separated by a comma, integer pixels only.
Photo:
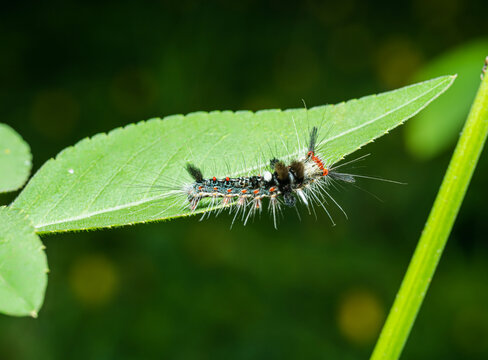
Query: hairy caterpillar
[{"x": 306, "y": 179}]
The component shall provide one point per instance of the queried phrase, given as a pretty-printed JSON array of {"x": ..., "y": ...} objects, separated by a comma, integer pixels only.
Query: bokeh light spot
[
  {"x": 94, "y": 280},
  {"x": 470, "y": 331},
  {"x": 133, "y": 92},
  {"x": 397, "y": 59},
  {"x": 209, "y": 246},
  {"x": 360, "y": 316},
  {"x": 438, "y": 14},
  {"x": 55, "y": 113},
  {"x": 297, "y": 70}
]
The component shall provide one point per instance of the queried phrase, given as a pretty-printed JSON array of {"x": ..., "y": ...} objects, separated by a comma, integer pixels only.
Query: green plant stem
[{"x": 436, "y": 231}]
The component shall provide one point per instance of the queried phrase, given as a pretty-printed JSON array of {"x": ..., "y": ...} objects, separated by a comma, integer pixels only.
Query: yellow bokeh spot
[
  {"x": 94, "y": 280},
  {"x": 7, "y": 151},
  {"x": 55, "y": 113},
  {"x": 134, "y": 91},
  {"x": 360, "y": 316},
  {"x": 397, "y": 59},
  {"x": 208, "y": 246},
  {"x": 470, "y": 330}
]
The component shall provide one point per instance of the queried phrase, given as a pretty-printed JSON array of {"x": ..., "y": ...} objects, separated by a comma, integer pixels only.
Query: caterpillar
[{"x": 305, "y": 179}]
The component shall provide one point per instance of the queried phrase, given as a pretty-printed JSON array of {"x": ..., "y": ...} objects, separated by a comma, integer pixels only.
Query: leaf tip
[
  {"x": 451, "y": 78},
  {"x": 33, "y": 314}
]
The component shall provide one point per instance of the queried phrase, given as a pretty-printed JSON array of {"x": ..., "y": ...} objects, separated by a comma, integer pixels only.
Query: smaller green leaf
[
  {"x": 23, "y": 265},
  {"x": 437, "y": 128},
  {"x": 15, "y": 160}
]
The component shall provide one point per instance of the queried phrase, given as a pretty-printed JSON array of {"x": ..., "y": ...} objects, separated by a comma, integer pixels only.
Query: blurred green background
[{"x": 197, "y": 290}]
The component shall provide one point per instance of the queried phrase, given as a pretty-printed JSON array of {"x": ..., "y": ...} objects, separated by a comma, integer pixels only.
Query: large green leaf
[
  {"x": 90, "y": 185},
  {"x": 15, "y": 159},
  {"x": 23, "y": 265}
]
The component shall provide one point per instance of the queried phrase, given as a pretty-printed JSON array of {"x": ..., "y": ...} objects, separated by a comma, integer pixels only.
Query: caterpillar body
[{"x": 305, "y": 179}]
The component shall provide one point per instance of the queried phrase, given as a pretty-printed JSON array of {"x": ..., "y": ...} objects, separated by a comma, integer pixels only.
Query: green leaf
[
  {"x": 94, "y": 183},
  {"x": 23, "y": 265},
  {"x": 15, "y": 159},
  {"x": 437, "y": 128}
]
